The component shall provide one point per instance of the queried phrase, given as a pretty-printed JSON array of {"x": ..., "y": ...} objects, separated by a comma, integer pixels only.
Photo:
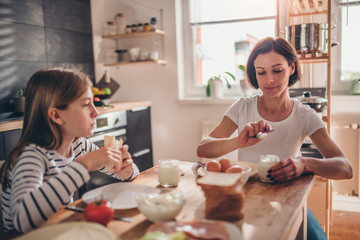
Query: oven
[
  {"x": 308, "y": 148},
  {"x": 111, "y": 124}
]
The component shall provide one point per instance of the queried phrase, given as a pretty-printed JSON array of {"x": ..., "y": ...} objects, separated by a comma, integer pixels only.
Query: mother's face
[{"x": 272, "y": 73}]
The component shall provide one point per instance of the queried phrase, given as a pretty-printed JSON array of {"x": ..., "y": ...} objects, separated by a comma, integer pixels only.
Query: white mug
[
  {"x": 154, "y": 55},
  {"x": 169, "y": 173}
]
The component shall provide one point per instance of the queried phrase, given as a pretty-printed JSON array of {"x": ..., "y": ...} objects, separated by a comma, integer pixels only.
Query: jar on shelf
[
  {"x": 134, "y": 28},
  {"x": 146, "y": 27},
  {"x": 128, "y": 29},
  {"x": 120, "y": 23},
  {"x": 153, "y": 24},
  {"x": 109, "y": 28},
  {"x": 140, "y": 27}
]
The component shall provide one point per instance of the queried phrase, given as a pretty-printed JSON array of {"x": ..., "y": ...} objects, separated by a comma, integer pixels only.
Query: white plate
[
  {"x": 202, "y": 172},
  {"x": 71, "y": 231},
  {"x": 121, "y": 195}
]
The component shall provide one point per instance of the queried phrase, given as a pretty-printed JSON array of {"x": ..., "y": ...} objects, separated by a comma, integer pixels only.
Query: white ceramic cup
[
  {"x": 169, "y": 173},
  {"x": 154, "y": 55},
  {"x": 266, "y": 162}
]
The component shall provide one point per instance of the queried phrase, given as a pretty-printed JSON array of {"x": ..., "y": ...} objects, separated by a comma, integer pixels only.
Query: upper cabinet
[{"x": 134, "y": 43}]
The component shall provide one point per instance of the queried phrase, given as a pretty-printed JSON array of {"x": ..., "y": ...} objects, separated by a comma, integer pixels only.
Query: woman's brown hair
[
  {"x": 46, "y": 89},
  {"x": 280, "y": 46}
]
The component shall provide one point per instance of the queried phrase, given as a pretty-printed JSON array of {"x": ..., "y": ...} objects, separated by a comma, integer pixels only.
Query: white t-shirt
[{"x": 288, "y": 135}]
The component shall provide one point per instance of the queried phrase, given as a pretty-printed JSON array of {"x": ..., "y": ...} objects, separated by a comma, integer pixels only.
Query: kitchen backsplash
[{"x": 41, "y": 33}]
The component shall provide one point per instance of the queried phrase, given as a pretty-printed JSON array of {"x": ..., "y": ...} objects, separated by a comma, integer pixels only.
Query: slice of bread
[{"x": 224, "y": 195}]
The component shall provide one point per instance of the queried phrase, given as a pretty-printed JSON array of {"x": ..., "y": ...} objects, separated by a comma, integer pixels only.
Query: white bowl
[{"x": 161, "y": 207}]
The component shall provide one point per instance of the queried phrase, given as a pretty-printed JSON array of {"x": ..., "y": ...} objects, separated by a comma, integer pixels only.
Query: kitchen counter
[{"x": 114, "y": 106}]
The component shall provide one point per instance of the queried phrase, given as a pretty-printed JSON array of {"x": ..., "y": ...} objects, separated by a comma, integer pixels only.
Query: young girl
[{"x": 53, "y": 157}]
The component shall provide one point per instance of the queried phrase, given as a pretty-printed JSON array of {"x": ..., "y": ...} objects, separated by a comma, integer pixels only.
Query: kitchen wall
[
  {"x": 175, "y": 126},
  {"x": 41, "y": 33}
]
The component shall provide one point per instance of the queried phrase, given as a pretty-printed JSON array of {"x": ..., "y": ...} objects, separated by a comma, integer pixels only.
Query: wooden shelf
[
  {"x": 313, "y": 58},
  {"x": 159, "y": 61},
  {"x": 135, "y": 34},
  {"x": 306, "y": 7}
]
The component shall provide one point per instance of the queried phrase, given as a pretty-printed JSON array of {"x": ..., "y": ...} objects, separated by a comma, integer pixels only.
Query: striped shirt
[{"x": 41, "y": 182}]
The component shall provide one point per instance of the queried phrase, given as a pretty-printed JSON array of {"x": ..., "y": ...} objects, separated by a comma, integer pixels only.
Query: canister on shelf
[
  {"x": 120, "y": 23},
  {"x": 134, "y": 28},
  {"x": 140, "y": 27},
  {"x": 109, "y": 28},
  {"x": 153, "y": 24},
  {"x": 128, "y": 29},
  {"x": 146, "y": 27}
]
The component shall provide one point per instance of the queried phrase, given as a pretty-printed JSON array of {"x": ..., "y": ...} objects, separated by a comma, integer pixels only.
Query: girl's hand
[
  {"x": 287, "y": 169},
  {"x": 104, "y": 156},
  {"x": 247, "y": 136},
  {"x": 126, "y": 170}
]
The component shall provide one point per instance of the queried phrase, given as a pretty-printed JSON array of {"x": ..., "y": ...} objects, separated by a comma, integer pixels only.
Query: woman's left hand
[{"x": 287, "y": 169}]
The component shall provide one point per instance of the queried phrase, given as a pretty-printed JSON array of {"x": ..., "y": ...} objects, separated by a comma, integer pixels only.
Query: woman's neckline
[{"x": 274, "y": 121}]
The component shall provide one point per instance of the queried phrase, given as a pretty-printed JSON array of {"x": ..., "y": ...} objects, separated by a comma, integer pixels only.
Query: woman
[
  {"x": 53, "y": 157},
  {"x": 273, "y": 67}
]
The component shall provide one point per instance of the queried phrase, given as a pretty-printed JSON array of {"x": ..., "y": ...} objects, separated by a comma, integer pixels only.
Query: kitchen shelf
[
  {"x": 306, "y": 7},
  {"x": 135, "y": 34},
  {"x": 159, "y": 61},
  {"x": 299, "y": 9}
]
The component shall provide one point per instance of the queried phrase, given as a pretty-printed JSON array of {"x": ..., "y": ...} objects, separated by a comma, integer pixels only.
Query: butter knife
[{"x": 80, "y": 209}]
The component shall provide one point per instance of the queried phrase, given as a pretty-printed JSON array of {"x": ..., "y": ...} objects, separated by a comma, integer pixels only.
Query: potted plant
[
  {"x": 19, "y": 102},
  {"x": 214, "y": 86}
]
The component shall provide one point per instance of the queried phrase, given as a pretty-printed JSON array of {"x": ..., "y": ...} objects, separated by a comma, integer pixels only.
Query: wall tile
[
  {"x": 22, "y": 42},
  {"x": 67, "y": 46},
  {"x": 68, "y": 14},
  {"x": 87, "y": 68},
  {"x": 14, "y": 75},
  {"x": 20, "y": 11}
]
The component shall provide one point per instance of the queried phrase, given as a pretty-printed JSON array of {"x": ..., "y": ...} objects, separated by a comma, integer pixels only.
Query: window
[
  {"x": 350, "y": 36},
  {"x": 218, "y": 35}
]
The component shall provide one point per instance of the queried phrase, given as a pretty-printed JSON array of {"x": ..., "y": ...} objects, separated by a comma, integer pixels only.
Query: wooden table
[{"x": 272, "y": 211}]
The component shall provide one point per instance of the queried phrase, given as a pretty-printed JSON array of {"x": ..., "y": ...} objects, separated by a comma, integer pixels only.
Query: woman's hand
[
  {"x": 287, "y": 169},
  {"x": 247, "y": 136}
]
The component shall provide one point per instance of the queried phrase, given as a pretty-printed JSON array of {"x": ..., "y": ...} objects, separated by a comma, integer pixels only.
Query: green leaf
[
  {"x": 208, "y": 89},
  {"x": 242, "y": 67},
  {"x": 231, "y": 75}
]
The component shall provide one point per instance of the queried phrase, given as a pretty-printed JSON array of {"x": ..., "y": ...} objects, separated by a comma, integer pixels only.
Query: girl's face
[
  {"x": 272, "y": 73},
  {"x": 79, "y": 117}
]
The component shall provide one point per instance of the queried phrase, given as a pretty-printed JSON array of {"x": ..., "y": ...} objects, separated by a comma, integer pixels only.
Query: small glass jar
[
  {"x": 266, "y": 162},
  {"x": 128, "y": 29},
  {"x": 153, "y": 24},
  {"x": 133, "y": 28},
  {"x": 140, "y": 27},
  {"x": 109, "y": 28},
  {"x": 146, "y": 27},
  {"x": 120, "y": 23}
]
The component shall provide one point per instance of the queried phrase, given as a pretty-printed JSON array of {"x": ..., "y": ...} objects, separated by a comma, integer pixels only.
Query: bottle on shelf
[
  {"x": 153, "y": 24},
  {"x": 120, "y": 23},
  {"x": 109, "y": 28}
]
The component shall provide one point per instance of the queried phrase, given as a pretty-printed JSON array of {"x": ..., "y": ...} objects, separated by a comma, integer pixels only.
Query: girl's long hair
[{"x": 46, "y": 89}]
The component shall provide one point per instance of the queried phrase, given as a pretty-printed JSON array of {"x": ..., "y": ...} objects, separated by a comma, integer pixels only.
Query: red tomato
[
  {"x": 96, "y": 99},
  {"x": 99, "y": 211}
]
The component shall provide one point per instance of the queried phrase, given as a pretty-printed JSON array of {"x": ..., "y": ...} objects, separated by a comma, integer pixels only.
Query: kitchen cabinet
[
  {"x": 150, "y": 36},
  {"x": 297, "y": 10},
  {"x": 138, "y": 131},
  {"x": 8, "y": 140}
]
